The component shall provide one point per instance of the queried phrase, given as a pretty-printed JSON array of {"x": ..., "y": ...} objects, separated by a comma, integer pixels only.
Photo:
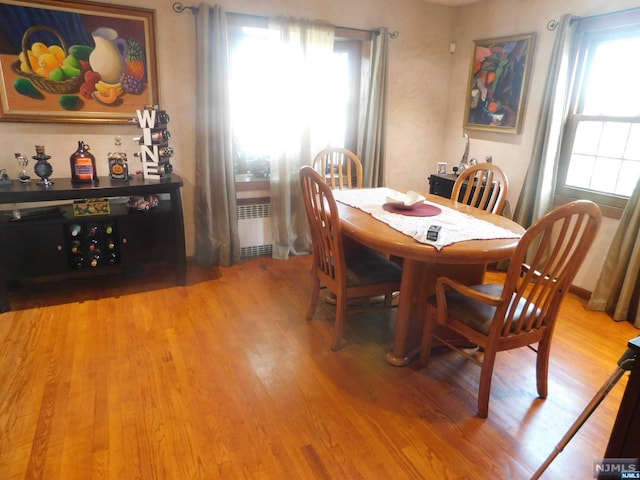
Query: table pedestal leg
[{"x": 418, "y": 282}]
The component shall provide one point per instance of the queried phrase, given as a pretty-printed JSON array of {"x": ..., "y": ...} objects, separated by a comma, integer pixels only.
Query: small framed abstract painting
[{"x": 497, "y": 85}]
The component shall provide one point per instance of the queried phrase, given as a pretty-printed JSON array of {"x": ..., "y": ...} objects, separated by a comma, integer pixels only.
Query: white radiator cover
[{"x": 254, "y": 229}]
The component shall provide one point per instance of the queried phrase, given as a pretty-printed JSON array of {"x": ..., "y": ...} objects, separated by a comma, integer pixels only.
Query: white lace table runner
[{"x": 455, "y": 226}]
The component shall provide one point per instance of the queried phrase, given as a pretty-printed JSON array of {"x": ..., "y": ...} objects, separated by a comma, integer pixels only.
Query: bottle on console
[
  {"x": 75, "y": 247},
  {"x": 77, "y": 261},
  {"x": 93, "y": 245},
  {"x": 162, "y": 117},
  {"x": 95, "y": 258},
  {"x": 83, "y": 165},
  {"x": 112, "y": 258},
  {"x": 157, "y": 137},
  {"x": 118, "y": 166}
]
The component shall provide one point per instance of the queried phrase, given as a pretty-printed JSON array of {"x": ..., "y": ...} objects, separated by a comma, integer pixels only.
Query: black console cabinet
[
  {"x": 442, "y": 184},
  {"x": 44, "y": 246}
]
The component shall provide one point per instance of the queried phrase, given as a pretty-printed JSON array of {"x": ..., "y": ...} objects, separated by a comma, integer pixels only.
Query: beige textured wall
[
  {"x": 426, "y": 88},
  {"x": 418, "y": 93},
  {"x": 493, "y": 18}
]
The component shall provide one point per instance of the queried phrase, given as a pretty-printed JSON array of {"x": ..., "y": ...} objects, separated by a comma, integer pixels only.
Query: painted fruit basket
[{"x": 70, "y": 85}]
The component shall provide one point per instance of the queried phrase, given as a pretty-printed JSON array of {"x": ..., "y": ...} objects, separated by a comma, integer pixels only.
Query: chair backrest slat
[
  {"x": 545, "y": 263},
  {"x": 324, "y": 224},
  {"x": 485, "y": 187},
  {"x": 339, "y": 167}
]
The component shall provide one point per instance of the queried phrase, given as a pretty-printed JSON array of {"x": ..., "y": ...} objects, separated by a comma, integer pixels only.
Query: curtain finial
[{"x": 179, "y": 8}]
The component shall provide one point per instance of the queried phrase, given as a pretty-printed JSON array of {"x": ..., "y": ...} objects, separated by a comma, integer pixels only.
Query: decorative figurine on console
[
  {"x": 42, "y": 168},
  {"x": 464, "y": 161},
  {"x": 23, "y": 162},
  {"x": 155, "y": 152},
  {"x": 4, "y": 178},
  {"x": 118, "y": 166},
  {"x": 143, "y": 204}
]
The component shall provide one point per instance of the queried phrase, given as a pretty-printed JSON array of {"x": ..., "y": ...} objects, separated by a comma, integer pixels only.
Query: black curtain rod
[
  {"x": 178, "y": 7},
  {"x": 553, "y": 24}
]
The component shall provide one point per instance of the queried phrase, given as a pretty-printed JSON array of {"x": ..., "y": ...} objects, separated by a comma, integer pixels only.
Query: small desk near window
[{"x": 441, "y": 184}]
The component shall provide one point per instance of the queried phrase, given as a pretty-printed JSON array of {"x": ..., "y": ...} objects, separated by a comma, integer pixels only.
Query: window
[
  {"x": 600, "y": 155},
  {"x": 252, "y": 105}
]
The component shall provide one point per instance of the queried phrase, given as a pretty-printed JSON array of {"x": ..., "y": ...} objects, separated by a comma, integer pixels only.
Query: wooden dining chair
[
  {"x": 339, "y": 167},
  {"x": 353, "y": 273},
  {"x": 483, "y": 186},
  {"x": 522, "y": 311}
]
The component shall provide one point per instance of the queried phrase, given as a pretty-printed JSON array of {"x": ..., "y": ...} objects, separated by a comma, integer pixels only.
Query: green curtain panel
[{"x": 617, "y": 283}]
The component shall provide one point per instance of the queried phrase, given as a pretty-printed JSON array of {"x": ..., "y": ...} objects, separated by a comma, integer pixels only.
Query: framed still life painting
[
  {"x": 75, "y": 61},
  {"x": 497, "y": 83}
]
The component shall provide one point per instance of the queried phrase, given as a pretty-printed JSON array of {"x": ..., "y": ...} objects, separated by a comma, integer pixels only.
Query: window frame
[
  {"x": 590, "y": 33},
  {"x": 354, "y": 49}
]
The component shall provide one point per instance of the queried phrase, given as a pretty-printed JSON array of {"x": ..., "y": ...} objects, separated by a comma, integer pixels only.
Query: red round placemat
[{"x": 423, "y": 210}]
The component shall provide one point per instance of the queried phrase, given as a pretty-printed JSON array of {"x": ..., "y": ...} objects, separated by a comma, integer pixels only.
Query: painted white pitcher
[{"x": 108, "y": 56}]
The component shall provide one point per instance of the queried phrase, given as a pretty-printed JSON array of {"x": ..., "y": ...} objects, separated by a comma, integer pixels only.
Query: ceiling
[{"x": 453, "y": 3}]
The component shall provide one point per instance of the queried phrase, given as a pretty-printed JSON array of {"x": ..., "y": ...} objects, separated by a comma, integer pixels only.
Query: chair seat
[
  {"x": 475, "y": 314},
  {"x": 368, "y": 267}
]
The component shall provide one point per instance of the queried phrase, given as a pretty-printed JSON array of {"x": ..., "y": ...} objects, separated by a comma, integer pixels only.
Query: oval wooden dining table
[{"x": 422, "y": 264}]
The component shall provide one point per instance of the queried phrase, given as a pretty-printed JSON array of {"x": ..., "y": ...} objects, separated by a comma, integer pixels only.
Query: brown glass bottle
[{"x": 83, "y": 165}]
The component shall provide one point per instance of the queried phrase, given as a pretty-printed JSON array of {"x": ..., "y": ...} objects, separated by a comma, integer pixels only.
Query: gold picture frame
[
  {"x": 43, "y": 45},
  {"x": 498, "y": 77}
]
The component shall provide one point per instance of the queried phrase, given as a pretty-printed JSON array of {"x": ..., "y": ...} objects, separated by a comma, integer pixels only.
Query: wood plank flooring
[{"x": 225, "y": 379}]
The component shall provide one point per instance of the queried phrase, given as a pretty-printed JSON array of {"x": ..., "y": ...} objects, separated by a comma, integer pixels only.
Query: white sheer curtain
[
  {"x": 217, "y": 240},
  {"x": 302, "y": 51},
  {"x": 300, "y": 59}
]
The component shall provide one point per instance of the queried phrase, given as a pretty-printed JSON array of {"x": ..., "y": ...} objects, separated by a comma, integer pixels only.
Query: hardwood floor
[{"x": 225, "y": 379}]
